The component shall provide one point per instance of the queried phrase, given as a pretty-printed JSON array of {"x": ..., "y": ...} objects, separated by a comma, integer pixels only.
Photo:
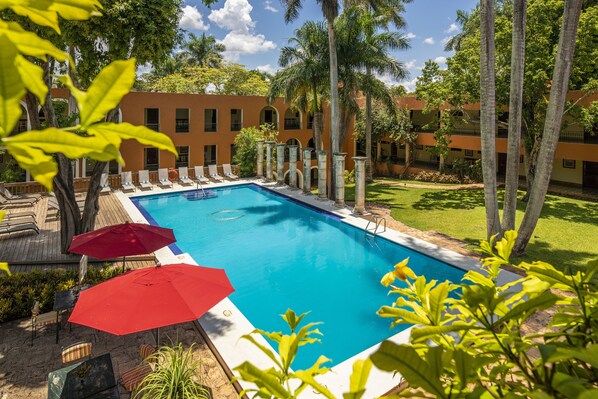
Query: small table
[
  {"x": 65, "y": 300},
  {"x": 93, "y": 378}
]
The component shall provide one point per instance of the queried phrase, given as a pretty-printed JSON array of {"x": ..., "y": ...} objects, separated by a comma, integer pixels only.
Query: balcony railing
[
  {"x": 571, "y": 137},
  {"x": 210, "y": 127},
  {"x": 292, "y": 124},
  {"x": 153, "y": 126},
  {"x": 182, "y": 125},
  {"x": 235, "y": 126}
]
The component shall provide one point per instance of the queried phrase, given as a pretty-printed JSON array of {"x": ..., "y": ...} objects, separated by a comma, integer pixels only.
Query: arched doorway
[{"x": 269, "y": 115}]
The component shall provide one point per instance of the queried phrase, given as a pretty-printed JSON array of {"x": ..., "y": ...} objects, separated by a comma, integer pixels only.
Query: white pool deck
[{"x": 225, "y": 324}]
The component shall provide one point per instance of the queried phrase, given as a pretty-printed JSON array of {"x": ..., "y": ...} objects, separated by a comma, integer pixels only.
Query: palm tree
[
  {"x": 454, "y": 43},
  {"x": 371, "y": 22},
  {"x": 172, "y": 64},
  {"x": 304, "y": 73},
  {"x": 203, "y": 51},
  {"x": 363, "y": 52}
]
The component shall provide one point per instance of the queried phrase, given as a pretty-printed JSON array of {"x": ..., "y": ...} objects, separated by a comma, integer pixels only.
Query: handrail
[{"x": 377, "y": 223}]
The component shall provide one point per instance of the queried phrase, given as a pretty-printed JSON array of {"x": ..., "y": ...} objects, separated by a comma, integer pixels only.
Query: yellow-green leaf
[
  {"x": 11, "y": 87},
  {"x": 41, "y": 166},
  {"x": 78, "y": 94},
  {"x": 32, "y": 77},
  {"x": 262, "y": 379},
  {"x": 358, "y": 379},
  {"x": 38, "y": 17},
  {"x": 106, "y": 91},
  {"x": 55, "y": 140},
  {"x": 4, "y": 267},
  {"x": 77, "y": 9},
  {"x": 127, "y": 131},
  {"x": 29, "y": 43}
]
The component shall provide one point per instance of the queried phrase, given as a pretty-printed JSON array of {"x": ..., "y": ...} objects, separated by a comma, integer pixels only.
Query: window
[
  {"x": 236, "y": 120},
  {"x": 209, "y": 155},
  {"x": 211, "y": 120},
  {"x": 456, "y": 149},
  {"x": 113, "y": 168},
  {"x": 152, "y": 118},
  {"x": 292, "y": 119},
  {"x": 569, "y": 163},
  {"x": 182, "y": 120},
  {"x": 469, "y": 153},
  {"x": 151, "y": 158},
  {"x": 233, "y": 152},
  {"x": 310, "y": 121},
  {"x": 183, "y": 159}
]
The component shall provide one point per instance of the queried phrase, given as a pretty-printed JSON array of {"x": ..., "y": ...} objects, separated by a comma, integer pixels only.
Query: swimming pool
[{"x": 280, "y": 254}]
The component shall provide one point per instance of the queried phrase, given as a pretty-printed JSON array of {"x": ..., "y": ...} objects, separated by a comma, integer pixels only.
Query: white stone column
[
  {"x": 307, "y": 170},
  {"x": 338, "y": 159},
  {"x": 322, "y": 174},
  {"x": 280, "y": 163},
  {"x": 269, "y": 147},
  {"x": 260, "y": 158},
  {"x": 293, "y": 166},
  {"x": 359, "y": 185}
]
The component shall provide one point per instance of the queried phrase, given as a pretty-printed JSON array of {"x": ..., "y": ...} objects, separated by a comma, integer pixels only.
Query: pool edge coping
[{"x": 231, "y": 347}]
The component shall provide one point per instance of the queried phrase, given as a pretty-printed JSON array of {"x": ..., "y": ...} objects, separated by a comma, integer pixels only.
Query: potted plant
[{"x": 176, "y": 375}]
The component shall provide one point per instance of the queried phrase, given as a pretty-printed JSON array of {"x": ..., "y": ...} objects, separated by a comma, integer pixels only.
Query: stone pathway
[{"x": 24, "y": 367}]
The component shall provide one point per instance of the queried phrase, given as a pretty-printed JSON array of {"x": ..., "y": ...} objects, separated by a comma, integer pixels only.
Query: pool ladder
[
  {"x": 198, "y": 186},
  {"x": 377, "y": 221}
]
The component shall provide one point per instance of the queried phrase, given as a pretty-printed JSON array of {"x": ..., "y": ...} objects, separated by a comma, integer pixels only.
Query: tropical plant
[
  {"x": 176, "y": 375},
  {"x": 246, "y": 146},
  {"x": 302, "y": 79},
  {"x": 203, "y": 51},
  {"x": 281, "y": 381},
  {"x": 471, "y": 340}
]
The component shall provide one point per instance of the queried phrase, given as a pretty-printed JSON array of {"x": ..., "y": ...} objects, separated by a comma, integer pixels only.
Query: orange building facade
[{"x": 203, "y": 128}]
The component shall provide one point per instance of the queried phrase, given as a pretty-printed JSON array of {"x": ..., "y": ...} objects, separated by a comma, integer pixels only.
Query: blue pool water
[{"x": 279, "y": 254}]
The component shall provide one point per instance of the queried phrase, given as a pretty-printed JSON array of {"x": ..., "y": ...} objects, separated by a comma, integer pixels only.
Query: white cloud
[
  {"x": 410, "y": 35},
  {"x": 440, "y": 60},
  {"x": 429, "y": 40},
  {"x": 238, "y": 43},
  {"x": 269, "y": 7},
  {"x": 192, "y": 19},
  {"x": 452, "y": 28},
  {"x": 234, "y": 16},
  {"x": 410, "y": 85},
  {"x": 267, "y": 68},
  {"x": 445, "y": 40},
  {"x": 410, "y": 64}
]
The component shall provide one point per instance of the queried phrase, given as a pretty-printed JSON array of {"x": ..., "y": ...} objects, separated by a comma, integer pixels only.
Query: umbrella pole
[{"x": 124, "y": 263}]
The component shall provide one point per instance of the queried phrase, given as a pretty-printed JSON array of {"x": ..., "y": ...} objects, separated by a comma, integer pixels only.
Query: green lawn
[{"x": 565, "y": 235}]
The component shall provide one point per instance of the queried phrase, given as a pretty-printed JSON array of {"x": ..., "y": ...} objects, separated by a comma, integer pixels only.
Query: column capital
[
  {"x": 359, "y": 158},
  {"x": 260, "y": 140},
  {"x": 280, "y": 144},
  {"x": 339, "y": 154},
  {"x": 323, "y": 152},
  {"x": 293, "y": 146},
  {"x": 307, "y": 149}
]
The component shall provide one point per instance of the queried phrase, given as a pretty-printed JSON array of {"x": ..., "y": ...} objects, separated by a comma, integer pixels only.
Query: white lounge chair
[
  {"x": 104, "y": 184},
  {"x": 199, "y": 176},
  {"x": 10, "y": 196},
  {"x": 126, "y": 181},
  {"x": 13, "y": 228},
  {"x": 213, "y": 170},
  {"x": 144, "y": 180},
  {"x": 17, "y": 220},
  {"x": 53, "y": 203},
  {"x": 184, "y": 176},
  {"x": 163, "y": 178},
  {"x": 228, "y": 172}
]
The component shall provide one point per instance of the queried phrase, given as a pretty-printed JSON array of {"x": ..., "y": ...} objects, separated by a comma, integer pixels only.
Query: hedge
[{"x": 19, "y": 292}]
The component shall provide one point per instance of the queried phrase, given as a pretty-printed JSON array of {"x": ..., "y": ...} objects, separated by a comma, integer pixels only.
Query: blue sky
[{"x": 254, "y": 30}]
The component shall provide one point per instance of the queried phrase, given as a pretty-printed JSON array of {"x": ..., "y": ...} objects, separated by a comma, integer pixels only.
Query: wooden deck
[{"x": 28, "y": 251}]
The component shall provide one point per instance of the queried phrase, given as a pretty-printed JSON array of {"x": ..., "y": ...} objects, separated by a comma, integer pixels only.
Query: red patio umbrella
[
  {"x": 122, "y": 240},
  {"x": 149, "y": 298}
]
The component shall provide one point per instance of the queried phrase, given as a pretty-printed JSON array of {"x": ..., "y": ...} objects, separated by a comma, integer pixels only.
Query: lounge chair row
[{"x": 183, "y": 177}]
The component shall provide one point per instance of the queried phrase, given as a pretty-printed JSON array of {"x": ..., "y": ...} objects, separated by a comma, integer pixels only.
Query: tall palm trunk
[
  {"x": 515, "y": 114},
  {"x": 334, "y": 105},
  {"x": 488, "y": 115},
  {"x": 368, "y": 134},
  {"x": 552, "y": 126}
]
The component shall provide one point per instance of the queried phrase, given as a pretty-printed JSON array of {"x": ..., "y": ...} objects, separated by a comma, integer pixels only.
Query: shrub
[
  {"x": 246, "y": 147},
  {"x": 19, "y": 292},
  {"x": 176, "y": 376},
  {"x": 349, "y": 177}
]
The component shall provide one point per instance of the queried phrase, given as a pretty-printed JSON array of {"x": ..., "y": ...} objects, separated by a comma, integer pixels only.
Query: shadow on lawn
[{"x": 561, "y": 259}]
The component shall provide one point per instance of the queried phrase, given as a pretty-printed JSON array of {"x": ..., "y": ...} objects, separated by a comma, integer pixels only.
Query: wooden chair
[
  {"x": 146, "y": 351},
  {"x": 76, "y": 351},
  {"x": 41, "y": 320},
  {"x": 132, "y": 378}
]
